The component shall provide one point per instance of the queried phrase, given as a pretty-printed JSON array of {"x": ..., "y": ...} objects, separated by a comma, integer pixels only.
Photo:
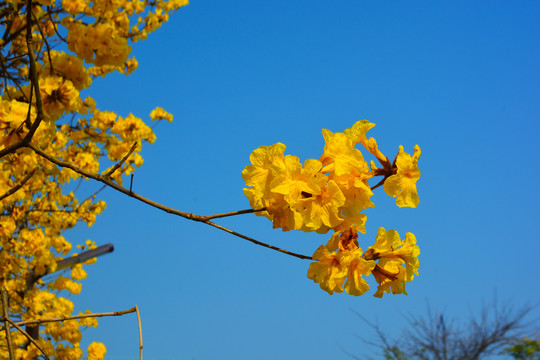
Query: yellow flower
[
  {"x": 392, "y": 254},
  {"x": 339, "y": 149},
  {"x": 69, "y": 67},
  {"x": 96, "y": 351},
  {"x": 403, "y": 184},
  {"x": 265, "y": 162},
  {"x": 328, "y": 271},
  {"x": 59, "y": 96},
  {"x": 321, "y": 211},
  {"x": 159, "y": 113},
  {"x": 296, "y": 182},
  {"x": 357, "y": 266}
]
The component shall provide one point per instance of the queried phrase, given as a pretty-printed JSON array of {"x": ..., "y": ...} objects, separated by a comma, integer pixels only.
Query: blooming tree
[
  {"x": 52, "y": 135},
  {"x": 50, "y": 53}
]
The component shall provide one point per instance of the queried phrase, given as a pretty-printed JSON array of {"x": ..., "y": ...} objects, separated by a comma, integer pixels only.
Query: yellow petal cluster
[
  {"x": 96, "y": 351},
  {"x": 331, "y": 193}
]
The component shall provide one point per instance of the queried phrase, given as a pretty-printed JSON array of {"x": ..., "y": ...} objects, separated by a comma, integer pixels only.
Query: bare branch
[
  {"x": 74, "y": 317},
  {"x": 433, "y": 337},
  {"x": 107, "y": 181}
]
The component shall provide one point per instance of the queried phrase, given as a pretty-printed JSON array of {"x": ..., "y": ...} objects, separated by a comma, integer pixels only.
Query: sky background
[{"x": 460, "y": 78}]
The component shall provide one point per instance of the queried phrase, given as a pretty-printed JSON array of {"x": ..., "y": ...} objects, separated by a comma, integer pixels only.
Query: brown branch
[
  {"x": 300, "y": 256},
  {"x": 169, "y": 210},
  {"x": 115, "y": 167},
  {"x": 15, "y": 325},
  {"x": 5, "y": 312},
  {"x": 14, "y": 189},
  {"x": 74, "y": 317}
]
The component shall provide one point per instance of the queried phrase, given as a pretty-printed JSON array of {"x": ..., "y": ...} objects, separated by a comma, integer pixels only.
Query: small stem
[
  {"x": 14, "y": 189},
  {"x": 233, "y": 213},
  {"x": 115, "y": 167}
]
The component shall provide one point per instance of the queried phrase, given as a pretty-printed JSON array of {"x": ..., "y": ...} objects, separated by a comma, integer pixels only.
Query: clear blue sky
[{"x": 459, "y": 78}]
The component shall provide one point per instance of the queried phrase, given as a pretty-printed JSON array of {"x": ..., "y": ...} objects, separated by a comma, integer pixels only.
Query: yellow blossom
[
  {"x": 328, "y": 270},
  {"x": 403, "y": 184},
  {"x": 392, "y": 254},
  {"x": 96, "y": 351},
  {"x": 159, "y": 113}
]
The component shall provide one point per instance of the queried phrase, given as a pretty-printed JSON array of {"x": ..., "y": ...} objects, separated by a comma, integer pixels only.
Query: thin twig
[
  {"x": 189, "y": 216},
  {"x": 115, "y": 167},
  {"x": 233, "y": 213},
  {"x": 33, "y": 75},
  {"x": 14, "y": 189},
  {"x": 140, "y": 331},
  {"x": 54, "y": 25},
  {"x": 15, "y": 57},
  {"x": 5, "y": 312},
  {"x": 46, "y": 43},
  {"x": 29, "y": 338}
]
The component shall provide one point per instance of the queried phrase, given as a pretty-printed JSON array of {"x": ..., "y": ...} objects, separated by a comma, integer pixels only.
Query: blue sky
[{"x": 460, "y": 78}]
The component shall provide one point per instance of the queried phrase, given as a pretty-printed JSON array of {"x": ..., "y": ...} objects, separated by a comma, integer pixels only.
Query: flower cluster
[
  {"x": 91, "y": 39},
  {"x": 331, "y": 193}
]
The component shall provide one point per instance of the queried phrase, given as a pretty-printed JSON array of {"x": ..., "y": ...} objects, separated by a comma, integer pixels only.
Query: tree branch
[
  {"x": 107, "y": 181},
  {"x": 15, "y": 325},
  {"x": 75, "y": 317}
]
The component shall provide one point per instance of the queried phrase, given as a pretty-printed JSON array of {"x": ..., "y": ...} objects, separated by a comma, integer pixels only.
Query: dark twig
[
  {"x": 233, "y": 213},
  {"x": 46, "y": 43},
  {"x": 14, "y": 189},
  {"x": 115, "y": 167},
  {"x": 54, "y": 25}
]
